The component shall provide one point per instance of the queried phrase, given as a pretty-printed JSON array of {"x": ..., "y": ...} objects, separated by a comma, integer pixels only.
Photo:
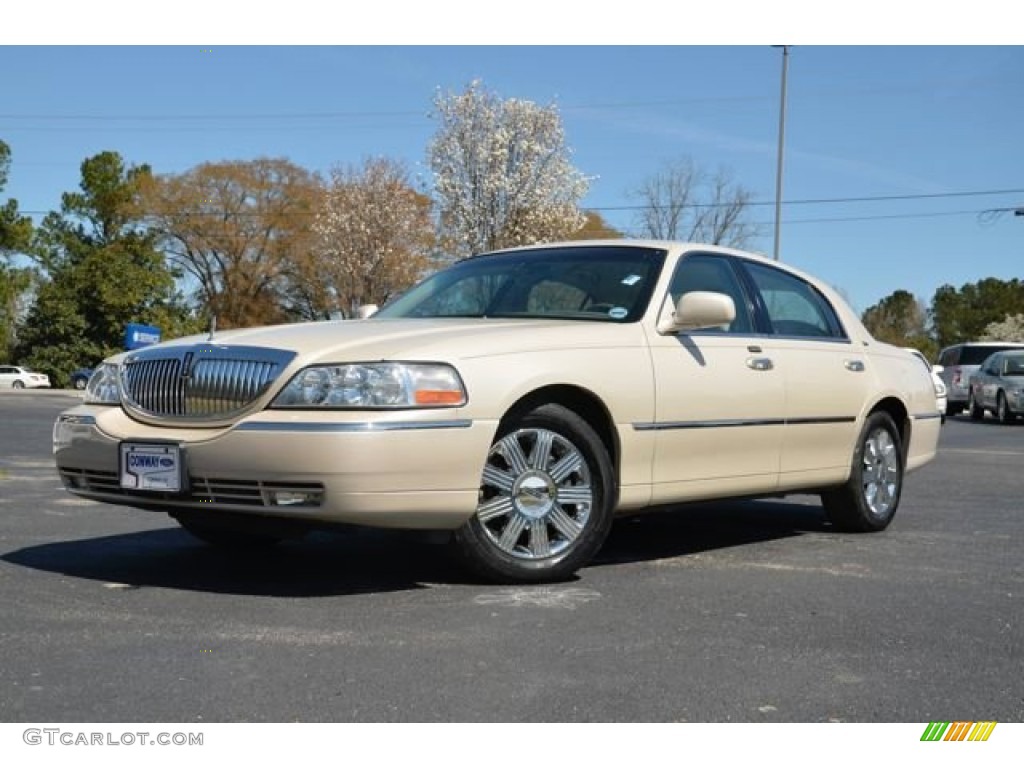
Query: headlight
[
  {"x": 374, "y": 385},
  {"x": 103, "y": 387}
]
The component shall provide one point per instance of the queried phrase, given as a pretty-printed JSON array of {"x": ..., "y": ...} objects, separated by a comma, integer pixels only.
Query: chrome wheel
[
  {"x": 867, "y": 501},
  {"x": 546, "y": 501},
  {"x": 881, "y": 472},
  {"x": 536, "y": 494}
]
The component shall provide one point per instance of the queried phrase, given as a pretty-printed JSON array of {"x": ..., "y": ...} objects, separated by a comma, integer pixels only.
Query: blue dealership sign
[{"x": 137, "y": 336}]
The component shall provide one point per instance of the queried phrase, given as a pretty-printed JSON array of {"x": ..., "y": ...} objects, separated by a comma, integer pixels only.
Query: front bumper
[{"x": 398, "y": 470}]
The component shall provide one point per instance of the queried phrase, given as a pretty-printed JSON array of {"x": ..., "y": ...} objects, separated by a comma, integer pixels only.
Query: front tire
[
  {"x": 79, "y": 383},
  {"x": 868, "y": 501},
  {"x": 1003, "y": 412},
  {"x": 976, "y": 411},
  {"x": 547, "y": 497}
]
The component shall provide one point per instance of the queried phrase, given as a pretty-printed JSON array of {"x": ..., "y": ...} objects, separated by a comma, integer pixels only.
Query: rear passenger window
[{"x": 795, "y": 307}]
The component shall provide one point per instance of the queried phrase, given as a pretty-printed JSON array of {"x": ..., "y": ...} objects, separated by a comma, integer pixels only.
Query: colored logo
[{"x": 960, "y": 731}]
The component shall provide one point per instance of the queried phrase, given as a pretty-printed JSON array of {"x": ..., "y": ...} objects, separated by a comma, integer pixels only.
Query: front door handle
[
  {"x": 857, "y": 366},
  {"x": 760, "y": 363}
]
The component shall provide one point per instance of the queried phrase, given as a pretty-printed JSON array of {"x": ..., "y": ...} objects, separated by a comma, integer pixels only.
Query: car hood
[{"x": 434, "y": 339}]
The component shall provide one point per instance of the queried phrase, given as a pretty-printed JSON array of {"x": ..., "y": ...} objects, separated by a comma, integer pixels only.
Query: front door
[{"x": 720, "y": 402}]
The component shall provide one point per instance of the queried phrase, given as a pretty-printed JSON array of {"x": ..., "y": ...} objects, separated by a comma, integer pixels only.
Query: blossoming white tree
[
  {"x": 1010, "y": 328},
  {"x": 373, "y": 236},
  {"x": 502, "y": 172}
]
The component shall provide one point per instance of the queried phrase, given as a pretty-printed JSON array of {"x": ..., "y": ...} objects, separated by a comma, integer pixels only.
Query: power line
[
  {"x": 937, "y": 214},
  {"x": 928, "y": 87},
  {"x": 823, "y": 220},
  {"x": 806, "y": 201},
  {"x": 822, "y": 200}
]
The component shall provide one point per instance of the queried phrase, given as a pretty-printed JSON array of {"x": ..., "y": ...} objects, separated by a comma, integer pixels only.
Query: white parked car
[
  {"x": 941, "y": 401},
  {"x": 20, "y": 377},
  {"x": 519, "y": 399}
]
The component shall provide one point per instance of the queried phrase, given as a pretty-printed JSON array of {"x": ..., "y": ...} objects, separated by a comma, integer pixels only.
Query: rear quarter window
[{"x": 978, "y": 355}]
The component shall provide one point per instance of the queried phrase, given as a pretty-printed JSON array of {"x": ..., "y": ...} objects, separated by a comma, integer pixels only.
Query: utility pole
[{"x": 782, "y": 145}]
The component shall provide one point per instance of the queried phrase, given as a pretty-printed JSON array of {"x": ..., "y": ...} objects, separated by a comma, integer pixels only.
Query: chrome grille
[{"x": 202, "y": 382}]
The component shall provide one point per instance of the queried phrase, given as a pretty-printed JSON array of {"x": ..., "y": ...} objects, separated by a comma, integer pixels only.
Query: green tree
[
  {"x": 15, "y": 282},
  {"x": 964, "y": 314},
  {"x": 102, "y": 271},
  {"x": 900, "y": 319}
]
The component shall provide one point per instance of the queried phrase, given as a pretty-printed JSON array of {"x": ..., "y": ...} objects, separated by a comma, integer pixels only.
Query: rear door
[{"x": 826, "y": 377}]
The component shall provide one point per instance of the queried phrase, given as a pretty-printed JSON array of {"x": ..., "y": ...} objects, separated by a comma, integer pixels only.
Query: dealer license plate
[{"x": 151, "y": 467}]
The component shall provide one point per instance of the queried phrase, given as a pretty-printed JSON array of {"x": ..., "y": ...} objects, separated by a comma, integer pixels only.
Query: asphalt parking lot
[{"x": 741, "y": 611}]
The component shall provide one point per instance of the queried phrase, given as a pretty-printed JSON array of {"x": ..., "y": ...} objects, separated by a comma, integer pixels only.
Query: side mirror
[
  {"x": 366, "y": 310},
  {"x": 937, "y": 369},
  {"x": 697, "y": 310}
]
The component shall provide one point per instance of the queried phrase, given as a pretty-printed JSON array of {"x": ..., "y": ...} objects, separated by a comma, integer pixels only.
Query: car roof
[{"x": 985, "y": 344}]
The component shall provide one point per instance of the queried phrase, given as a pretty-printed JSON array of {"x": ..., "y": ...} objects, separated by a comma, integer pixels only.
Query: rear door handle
[
  {"x": 857, "y": 366},
  {"x": 760, "y": 363}
]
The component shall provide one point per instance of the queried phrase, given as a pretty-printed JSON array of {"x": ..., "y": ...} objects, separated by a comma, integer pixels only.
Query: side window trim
[{"x": 763, "y": 321}]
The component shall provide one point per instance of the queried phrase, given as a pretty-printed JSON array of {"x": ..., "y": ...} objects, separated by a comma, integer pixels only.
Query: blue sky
[{"x": 862, "y": 122}]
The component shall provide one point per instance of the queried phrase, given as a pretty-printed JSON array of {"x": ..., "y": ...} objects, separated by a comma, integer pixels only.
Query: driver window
[{"x": 711, "y": 273}]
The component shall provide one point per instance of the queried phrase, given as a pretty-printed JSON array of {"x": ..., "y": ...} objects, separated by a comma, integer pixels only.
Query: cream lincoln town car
[{"x": 518, "y": 399}]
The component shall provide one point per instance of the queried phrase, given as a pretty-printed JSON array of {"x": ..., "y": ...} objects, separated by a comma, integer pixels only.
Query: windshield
[{"x": 607, "y": 283}]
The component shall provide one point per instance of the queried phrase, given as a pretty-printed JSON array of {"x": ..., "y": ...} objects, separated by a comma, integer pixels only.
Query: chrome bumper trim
[{"x": 361, "y": 426}]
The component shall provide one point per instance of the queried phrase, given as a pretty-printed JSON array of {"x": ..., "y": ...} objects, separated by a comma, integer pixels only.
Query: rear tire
[
  {"x": 976, "y": 411},
  {"x": 18, "y": 385},
  {"x": 547, "y": 496},
  {"x": 868, "y": 500}
]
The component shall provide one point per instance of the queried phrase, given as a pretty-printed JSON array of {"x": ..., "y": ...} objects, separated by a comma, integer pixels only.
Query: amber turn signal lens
[{"x": 438, "y": 397}]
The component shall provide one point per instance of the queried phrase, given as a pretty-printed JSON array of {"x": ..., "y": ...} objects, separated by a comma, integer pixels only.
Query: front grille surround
[{"x": 198, "y": 383}]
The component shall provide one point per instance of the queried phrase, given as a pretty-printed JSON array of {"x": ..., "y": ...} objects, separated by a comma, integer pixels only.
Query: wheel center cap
[{"x": 534, "y": 494}]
